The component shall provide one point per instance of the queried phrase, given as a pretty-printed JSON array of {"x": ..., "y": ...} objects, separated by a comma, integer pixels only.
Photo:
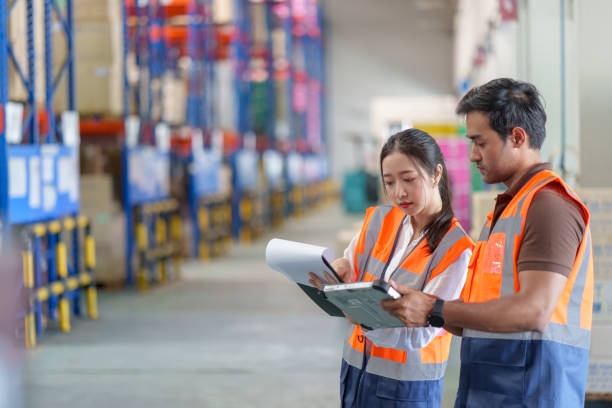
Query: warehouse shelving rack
[
  {"x": 210, "y": 213},
  {"x": 245, "y": 160},
  {"x": 153, "y": 222},
  {"x": 39, "y": 193}
]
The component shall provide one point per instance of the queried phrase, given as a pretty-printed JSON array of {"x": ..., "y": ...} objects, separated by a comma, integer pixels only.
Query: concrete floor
[{"x": 231, "y": 333}]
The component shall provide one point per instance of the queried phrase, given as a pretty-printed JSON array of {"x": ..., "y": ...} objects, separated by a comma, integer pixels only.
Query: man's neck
[{"x": 531, "y": 159}]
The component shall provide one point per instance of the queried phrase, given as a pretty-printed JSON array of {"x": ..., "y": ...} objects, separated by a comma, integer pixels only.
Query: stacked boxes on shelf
[
  {"x": 599, "y": 203},
  {"x": 108, "y": 224}
]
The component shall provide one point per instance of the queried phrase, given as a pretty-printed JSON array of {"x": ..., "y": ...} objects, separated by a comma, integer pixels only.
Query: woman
[{"x": 415, "y": 242}]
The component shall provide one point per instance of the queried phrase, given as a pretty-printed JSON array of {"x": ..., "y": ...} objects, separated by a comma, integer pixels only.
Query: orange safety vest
[
  {"x": 552, "y": 364},
  {"x": 373, "y": 251}
]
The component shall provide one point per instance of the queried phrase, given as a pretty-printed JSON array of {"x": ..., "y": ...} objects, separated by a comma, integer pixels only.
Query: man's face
[{"x": 492, "y": 156}]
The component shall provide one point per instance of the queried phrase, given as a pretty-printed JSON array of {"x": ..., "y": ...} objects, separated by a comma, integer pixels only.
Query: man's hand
[{"x": 412, "y": 308}]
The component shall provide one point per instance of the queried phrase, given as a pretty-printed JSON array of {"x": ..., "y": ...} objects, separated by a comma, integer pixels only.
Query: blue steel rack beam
[
  {"x": 240, "y": 55},
  {"x": 143, "y": 36},
  {"x": 52, "y": 81},
  {"x": 3, "y": 101},
  {"x": 29, "y": 82},
  {"x": 194, "y": 98},
  {"x": 29, "y": 149}
]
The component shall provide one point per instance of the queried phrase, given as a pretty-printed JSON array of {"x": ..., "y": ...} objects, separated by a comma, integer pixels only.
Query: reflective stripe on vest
[
  {"x": 373, "y": 251},
  {"x": 493, "y": 272}
]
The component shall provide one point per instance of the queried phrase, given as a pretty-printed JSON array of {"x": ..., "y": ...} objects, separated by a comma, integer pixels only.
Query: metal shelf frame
[
  {"x": 35, "y": 148},
  {"x": 143, "y": 35}
]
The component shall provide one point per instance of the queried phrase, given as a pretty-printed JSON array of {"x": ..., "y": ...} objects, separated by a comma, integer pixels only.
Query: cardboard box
[
  {"x": 109, "y": 231},
  {"x": 599, "y": 378},
  {"x": 97, "y": 194},
  {"x": 175, "y": 100},
  {"x": 599, "y": 203},
  {"x": 223, "y": 11},
  {"x": 97, "y": 10},
  {"x": 483, "y": 203},
  {"x": 17, "y": 29}
]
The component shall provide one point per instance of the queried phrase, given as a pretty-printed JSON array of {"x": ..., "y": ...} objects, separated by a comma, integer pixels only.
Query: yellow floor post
[
  {"x": 142, "y": 243},
  {"x": 160, "y": 236},
  {"x": 176, "y": 236},
  {"x": 62, "y": 273},
  {"x": 28, "y": 283},
  {"x": 90, "y": 266}
]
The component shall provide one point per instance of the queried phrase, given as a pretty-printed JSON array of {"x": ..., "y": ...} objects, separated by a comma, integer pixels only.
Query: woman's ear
[{"x": 438, "y": 174}]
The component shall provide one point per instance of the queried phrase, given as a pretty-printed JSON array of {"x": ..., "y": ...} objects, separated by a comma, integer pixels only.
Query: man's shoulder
[{"x": 552, "y": 204}]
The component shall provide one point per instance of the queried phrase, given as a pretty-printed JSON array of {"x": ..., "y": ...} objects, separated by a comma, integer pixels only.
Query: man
[{"x": 526, "y": 319}]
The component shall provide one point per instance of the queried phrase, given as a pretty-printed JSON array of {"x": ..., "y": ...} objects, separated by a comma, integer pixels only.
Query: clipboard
[
  {"x": 295, "y": 260},
  {"x": 361, "y": 301}
]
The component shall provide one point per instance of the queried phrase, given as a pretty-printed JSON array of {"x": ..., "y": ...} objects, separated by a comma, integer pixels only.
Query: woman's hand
[
  {"x": 318, "y": 282},
  {"x": 342, "y": 268}
]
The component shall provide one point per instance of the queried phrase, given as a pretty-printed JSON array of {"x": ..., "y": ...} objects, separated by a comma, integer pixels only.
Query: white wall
[
  {"x": 379, "y": 49},
  {"x": 529, "y": 49},
  {"x": 540, "y": 27},
  {"x": 595, "y": 101}
]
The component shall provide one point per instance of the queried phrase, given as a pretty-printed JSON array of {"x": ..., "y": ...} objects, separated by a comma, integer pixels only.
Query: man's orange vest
[{"x": 528, "y": 369}]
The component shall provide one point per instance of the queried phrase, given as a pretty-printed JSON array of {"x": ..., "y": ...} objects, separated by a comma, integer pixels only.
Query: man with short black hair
[{"x": 526, "y": 320}]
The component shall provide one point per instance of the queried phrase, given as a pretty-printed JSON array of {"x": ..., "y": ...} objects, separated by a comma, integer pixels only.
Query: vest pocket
[
  {"x": 511, "y": 353},
  {"x": 395, "y": 390},
  {"x": 495, "y": 370}
]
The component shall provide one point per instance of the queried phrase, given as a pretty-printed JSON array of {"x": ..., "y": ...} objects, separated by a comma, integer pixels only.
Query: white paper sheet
[
  {"x": 18, "y": 186},
  {"x": 296, "y": 259},
  {"x": 34, "y": 174},
  {"x": 64, "y": 174},
  {"x": 49, "y": 198},
  {"x": 48, "y": 169}
]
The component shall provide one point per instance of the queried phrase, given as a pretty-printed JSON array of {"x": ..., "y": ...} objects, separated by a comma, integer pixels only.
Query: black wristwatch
[{"x": 436, "y": 319}]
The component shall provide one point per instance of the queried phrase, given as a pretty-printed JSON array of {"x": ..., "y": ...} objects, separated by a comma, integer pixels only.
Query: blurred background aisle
[
  {"x": 231, "y": 333},
  {"x": 149, "y": 149}
]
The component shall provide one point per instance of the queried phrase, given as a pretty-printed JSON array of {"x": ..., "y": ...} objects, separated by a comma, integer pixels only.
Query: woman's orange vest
[{"x": 372, "y": 252}]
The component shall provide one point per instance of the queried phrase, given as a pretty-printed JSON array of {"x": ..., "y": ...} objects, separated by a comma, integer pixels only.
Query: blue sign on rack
[
  {"x": 43, "y": 182},
  {"x": 204, "y": 172},
  {"x": 148, "y": 174},
  {"x": 295, "y": 169},
  {"x": 315, "y": 168},
  {"x": 273, "y": 168},
  {"x": 245, "y": 165}
]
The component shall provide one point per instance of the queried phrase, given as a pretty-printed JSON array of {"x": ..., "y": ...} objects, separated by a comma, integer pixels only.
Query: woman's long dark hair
[{"x": 421, "y": 147}]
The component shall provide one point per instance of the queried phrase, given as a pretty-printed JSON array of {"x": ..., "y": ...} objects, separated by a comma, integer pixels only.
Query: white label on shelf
[
  {"x": 250, "y": 141},
  {"x": 162, "y": 137},
  {"x": 14, "y": 122},
  {"x": 49, "y": 198},
  {"x": 217, "y": 142},
  {"x": 64, "y": 174},
  {"x": 70, "y": 128},
  {"x": 132, "y": 129},
  {"x": 197, "y": 141},
  {"x": 48, "y": 170},
  {"x": 18, "y": 186},
  {"x": 34, "y": 188},
  {"x": 74, "y": 186}
]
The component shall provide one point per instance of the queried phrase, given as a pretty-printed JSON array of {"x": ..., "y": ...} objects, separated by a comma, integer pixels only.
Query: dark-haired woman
[{"x": 417, "y": 242}]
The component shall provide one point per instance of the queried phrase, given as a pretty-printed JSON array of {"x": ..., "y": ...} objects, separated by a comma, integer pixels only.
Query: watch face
[{"x": 436, "y": 320}]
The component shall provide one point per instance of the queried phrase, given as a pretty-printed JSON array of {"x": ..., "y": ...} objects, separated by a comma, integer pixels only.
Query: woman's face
[{"x": 407, "y": 186}]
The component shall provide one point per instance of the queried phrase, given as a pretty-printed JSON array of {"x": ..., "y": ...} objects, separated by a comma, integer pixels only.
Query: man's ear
[{"x": 518, "y": 136}]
